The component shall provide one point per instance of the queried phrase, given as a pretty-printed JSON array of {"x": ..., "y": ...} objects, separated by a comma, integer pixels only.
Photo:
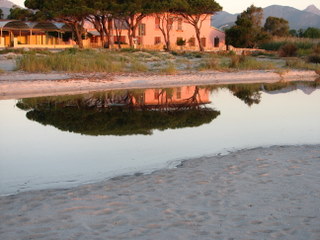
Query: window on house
[
  {"x": 178, "y": 93},
  {"x": 142, "y": 29},
  {"x": 156, "y": 94},
  {"x": 157, "y": 40},
  {"x": 157, "y": 23},
  {"x": 170, "y": 22},
  {"x": 140, "y": 40},
  {"x": 216, "y": 42},
  {"x": 94, "y": 39},
  {"x": 119, "y": 39},
  {"x": 192, "y": 42},
  {"x": 179, "y": 25},
  {"x": 203, "y": 42},
  {"x": 140, "y": 98}
]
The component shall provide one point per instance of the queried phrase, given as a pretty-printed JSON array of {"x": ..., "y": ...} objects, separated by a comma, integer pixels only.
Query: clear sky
[{"x": 233, "y": 6}]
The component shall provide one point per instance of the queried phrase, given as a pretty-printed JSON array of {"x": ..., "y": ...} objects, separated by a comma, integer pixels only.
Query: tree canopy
[
  {"x": 248, "y": 31},
  {"x": 1, "y": 14},
  {"x": 21, "y": 14},
  {"x": 311, "y": 33},
  {"x": 70, "y": 12},
  {"x": 277, "y": 26},
  {"x": 195, "y": 12}
]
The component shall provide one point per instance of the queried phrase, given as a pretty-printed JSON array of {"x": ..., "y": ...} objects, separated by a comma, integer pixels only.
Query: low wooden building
[{"x": 19, "y": 34}]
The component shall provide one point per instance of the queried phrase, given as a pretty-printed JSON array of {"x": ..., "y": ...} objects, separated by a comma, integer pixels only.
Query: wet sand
[
  {"x": 262, "y": 193},
  {"x": 21, "y": 85}
]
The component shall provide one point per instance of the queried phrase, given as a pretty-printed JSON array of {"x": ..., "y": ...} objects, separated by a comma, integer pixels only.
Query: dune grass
[
  {"x": 249, "y": 63},
  {"x": 211, "y": 63},
  {"x": 106, "y": 61},
  {"x": 68, "y": 61},
  {"x": 301, "y": 64},
  {"x": 169, "y": 68},
  {"x": 137, "y": 66}
]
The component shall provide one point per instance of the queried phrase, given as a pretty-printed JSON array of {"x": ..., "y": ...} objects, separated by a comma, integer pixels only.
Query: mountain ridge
[
  {"x": 298, "y": 19},
  {"x": 312, "y": 9},
  {"x": 5, "y": 6}
]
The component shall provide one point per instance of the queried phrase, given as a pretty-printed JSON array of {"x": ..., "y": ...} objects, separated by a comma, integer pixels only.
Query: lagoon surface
[{"x": 58, "y": 142}]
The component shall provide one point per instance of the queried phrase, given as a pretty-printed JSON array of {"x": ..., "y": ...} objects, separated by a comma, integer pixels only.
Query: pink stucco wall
[
  {"x": 178, "y": 95},
  {"x": 186, "y": 33}
]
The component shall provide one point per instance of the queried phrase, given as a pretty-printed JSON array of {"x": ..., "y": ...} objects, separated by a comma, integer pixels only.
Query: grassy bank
[
  {"x": 299, "y": 53},
  {"x": 130, "y": 61},
  {"x": 304, "y": 46}
]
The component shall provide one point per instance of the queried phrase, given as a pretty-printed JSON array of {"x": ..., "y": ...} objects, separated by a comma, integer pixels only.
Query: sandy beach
[
  {"x": 262, "y": 193},
  {"x": 21, "y": 85}
]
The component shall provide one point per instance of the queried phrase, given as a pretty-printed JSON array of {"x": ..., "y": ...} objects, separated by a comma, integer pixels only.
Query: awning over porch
[
  {"x": 13, "y": 25},
  {"x": 7, "y": 25}
]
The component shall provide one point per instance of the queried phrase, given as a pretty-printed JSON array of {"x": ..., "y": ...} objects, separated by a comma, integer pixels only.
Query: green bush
[
  {"x": 169, "y": 68},
  {"x": 180, "y": 42},
  {"x": 304, "y": 45},
  {"x": 316, "y": 49},
  {"x": 211, "y": 63},
  {"x": 138, "y": 67},
  {"x": 236, "y": 60},
  {"x": 272, "y": 46},
  {"x": 314, "y": 59},
  {"x": 288, "y": 50},
  {"x": 300, "y": 64}
]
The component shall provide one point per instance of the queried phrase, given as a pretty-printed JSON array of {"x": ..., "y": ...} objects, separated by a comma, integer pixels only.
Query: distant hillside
[
  {"x": 297, "y": 19},
  {"x": 312, "y": 9},
  {"x": 5, "y": 5},
  {"x": 223, "y": 19}
]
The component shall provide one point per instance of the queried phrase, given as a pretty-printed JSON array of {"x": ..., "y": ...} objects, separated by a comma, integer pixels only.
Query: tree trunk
[
  {"x": 131, "y": 30},
  {"x": 165, "y": 29},
  {"x": 130, "y": 38},
  {"x": 110, "y": 30},
  {"x": 132, "y": 25},
  {"x": 102, "y": 38},
  {"x": 198, "y": 38},
  {"x": 106, "y": 31},
  {"x": 98, "y": 22},
  {"x": 118, "y": 34},
  {"x": 168, "y": 43},
  {"x": 78, "y": 33}
]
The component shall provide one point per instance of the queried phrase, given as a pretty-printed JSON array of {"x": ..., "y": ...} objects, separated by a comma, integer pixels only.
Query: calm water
[{"x": 65, "y": 141}]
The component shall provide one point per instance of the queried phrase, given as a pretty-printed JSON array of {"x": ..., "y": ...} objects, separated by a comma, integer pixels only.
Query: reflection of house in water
[
  {"x": 173, "y": 97},
  {"x": 161, "y": 99}
]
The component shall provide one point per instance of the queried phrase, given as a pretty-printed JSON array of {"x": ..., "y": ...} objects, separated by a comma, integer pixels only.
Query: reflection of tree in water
[
  {"x": 250, "y": 94},
  {"x": 118, "y": 112}
]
